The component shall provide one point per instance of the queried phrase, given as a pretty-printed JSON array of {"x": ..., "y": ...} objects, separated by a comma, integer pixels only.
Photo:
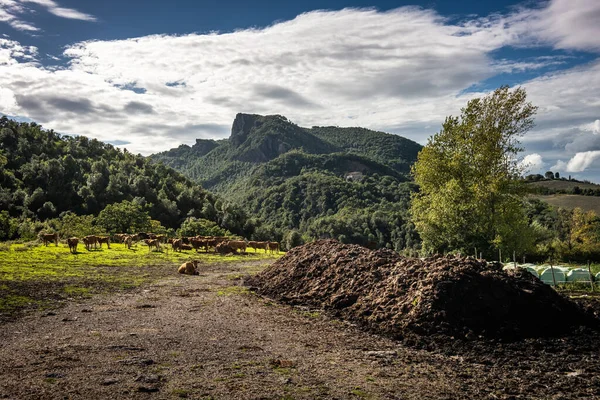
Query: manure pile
[{"x": 401, "y": 297}]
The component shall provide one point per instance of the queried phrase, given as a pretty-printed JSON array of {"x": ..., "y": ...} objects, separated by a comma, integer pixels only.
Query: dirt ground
[{"x": 207, "y": 337}]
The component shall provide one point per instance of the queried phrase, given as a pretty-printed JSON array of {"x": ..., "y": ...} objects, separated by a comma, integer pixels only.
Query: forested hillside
[
  {"x": 346, "y": 183},
  {"x": 44, "y": 174}
]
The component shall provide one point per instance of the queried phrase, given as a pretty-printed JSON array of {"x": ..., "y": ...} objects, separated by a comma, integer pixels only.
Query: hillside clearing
[{"x": 570, "y": 201}]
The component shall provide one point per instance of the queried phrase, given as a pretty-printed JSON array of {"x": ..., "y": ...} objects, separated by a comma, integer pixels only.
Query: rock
[
  {"x": 147, "y": 389},
  {"x": 109, "y": 381}
]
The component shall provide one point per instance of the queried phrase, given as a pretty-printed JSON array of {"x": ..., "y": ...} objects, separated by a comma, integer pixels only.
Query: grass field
[
  {"x": 570, "y": 201},
  {"x": 34, "y": 276}
]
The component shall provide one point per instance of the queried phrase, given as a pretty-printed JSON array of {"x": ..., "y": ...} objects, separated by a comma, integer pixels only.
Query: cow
[
  {"x": 258, "y": 245},
  {"x": 103, "y": 239},
  {"x": 161, "y": 238},
  {"x": 176, "y": 244},
  {"x": 49, "y": 237},
  {"x": 72, "y": 242},
  {"x": 189, "y": 268},
  {"x": 152, "y": 243},
  {"x": 186, "y": 247},
  {"x": 128, "y": 240},
  {"x": 198, "y": 243},
  {"x": 237, "y": 245},
  {"x": 89, "y": 241},
  {"x": 273, "y": 247},
  {"x": 120, "y": 237}
]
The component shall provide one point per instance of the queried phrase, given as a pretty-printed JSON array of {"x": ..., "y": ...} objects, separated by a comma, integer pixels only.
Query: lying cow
[
  {"x": 73, "y": 242},
  {"x": 237, "y": 245},
  {"x": 49, "y": 237},
  {"x": 189, "y": 268}
]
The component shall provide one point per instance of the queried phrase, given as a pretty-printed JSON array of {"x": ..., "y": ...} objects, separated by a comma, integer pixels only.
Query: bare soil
[{"x": 207, "y": 337}]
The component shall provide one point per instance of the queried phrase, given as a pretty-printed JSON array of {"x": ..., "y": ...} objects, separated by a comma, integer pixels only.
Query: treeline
[
  {"x": 562, "y": 235},
  {"x": 44, "y": 175}
]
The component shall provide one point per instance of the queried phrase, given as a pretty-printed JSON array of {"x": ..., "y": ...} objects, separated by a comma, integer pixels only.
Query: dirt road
[{"x": 207, "y": 337}]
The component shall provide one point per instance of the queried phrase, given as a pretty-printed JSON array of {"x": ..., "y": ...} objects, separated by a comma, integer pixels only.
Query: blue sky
[{"x": 150, "y": 75}]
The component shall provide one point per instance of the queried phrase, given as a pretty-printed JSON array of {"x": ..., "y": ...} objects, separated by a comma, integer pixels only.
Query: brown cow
[
  {"x": 90, "y": 240},
  {"x": 199, "y": 243},
  {"x": 273, "y": 247},
  {"x": 103, "y": 239},
  {"x": 49, "y": 237},
  {"x": 237, "y": 245},
  {"x": 120, "y": 237},
  {"x": 176, "y": 244},
  {"x": 128, "y": 241},
  {"x": 258, "y": 245},
  {"x": 152, "y": 243},
  {"x": 189, "y": 268},
  {"x": 186, "y": 247},
  {"x": 72, "y": 242}
]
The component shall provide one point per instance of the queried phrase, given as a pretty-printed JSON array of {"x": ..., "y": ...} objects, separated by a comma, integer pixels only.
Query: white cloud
[
  {"x": 11, "y": 12},
  {"x": 399, "y": 71},
  {"x": 581, "y": 161},
  {"x": 568, "y": 24},
  {"x": 532, "y": 163},
  {"x": 63, "y": 12}
]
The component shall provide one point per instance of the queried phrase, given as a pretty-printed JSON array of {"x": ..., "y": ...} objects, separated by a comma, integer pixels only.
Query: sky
[{"x": 151, "y": 75}]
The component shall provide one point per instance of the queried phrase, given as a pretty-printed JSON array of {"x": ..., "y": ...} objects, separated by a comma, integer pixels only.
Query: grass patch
[
  {"x": 12, "y": 302},
  {"x": 358, "y": 392},
  {"x": 75, "y": 291},
  {"x": 31, "y": 274}
]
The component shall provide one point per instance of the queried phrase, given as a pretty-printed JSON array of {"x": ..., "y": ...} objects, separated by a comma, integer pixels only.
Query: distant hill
[
  {"x": 560, "y": 185},
  {"x": 347, "y": 183}
]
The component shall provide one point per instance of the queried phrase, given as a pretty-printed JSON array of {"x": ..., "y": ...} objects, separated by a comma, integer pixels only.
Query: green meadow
[{"x": 36, "y": 276}]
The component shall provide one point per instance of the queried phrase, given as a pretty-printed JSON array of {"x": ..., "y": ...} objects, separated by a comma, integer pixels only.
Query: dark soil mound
[{"x": 389, "y": 294}]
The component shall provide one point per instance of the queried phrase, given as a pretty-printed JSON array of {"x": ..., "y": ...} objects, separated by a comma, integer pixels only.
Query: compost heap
[{"x": 389, "y": 294}]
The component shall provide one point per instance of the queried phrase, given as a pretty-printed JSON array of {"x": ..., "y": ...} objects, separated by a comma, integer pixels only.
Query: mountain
[
  {"x": 349, "y": 183},
  {"x": 44, "y": 174}
]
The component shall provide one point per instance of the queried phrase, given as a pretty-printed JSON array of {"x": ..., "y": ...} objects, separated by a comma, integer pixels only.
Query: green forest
[
  {"x": 47, "y": 179},
  {"x": 274, "y": 180}
]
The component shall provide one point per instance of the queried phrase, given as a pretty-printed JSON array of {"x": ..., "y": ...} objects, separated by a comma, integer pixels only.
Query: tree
[
  {"x": 124, "y": 217},
  {"x": 199, "y": 226},
  {"x": 556, "y": 175},
  {"x": 549, "y": 175},
  {"x": 469, "y": 178}
]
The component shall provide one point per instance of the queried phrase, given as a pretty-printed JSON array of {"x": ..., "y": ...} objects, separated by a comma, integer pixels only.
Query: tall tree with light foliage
[{"x": 469, "y": 177}]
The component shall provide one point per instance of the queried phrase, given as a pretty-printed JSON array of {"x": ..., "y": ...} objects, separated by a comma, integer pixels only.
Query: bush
[
  {"x": 198, "y": 226},
  {"x": 293, "y": 239}
]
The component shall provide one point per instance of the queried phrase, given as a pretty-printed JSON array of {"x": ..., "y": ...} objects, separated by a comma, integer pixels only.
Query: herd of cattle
[{"x": 220, "y": 244}]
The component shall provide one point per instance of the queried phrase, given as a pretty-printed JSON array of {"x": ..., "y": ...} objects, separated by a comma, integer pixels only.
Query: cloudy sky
[{"x": 150, "y": 75}]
